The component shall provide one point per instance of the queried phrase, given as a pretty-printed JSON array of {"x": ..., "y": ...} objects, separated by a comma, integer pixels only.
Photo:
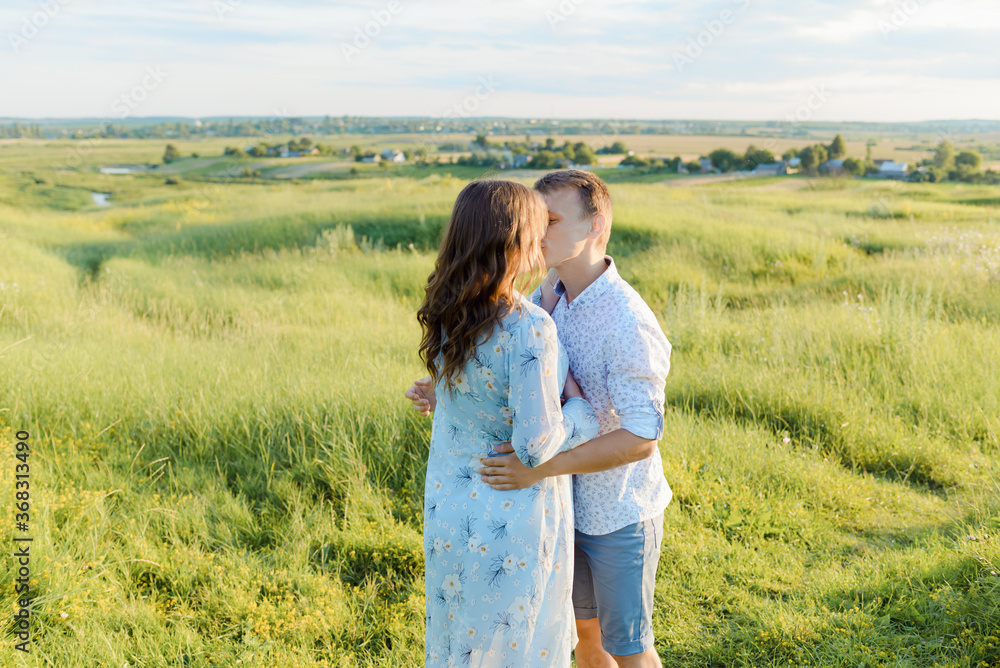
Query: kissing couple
[{"x": 544, "y": 496}]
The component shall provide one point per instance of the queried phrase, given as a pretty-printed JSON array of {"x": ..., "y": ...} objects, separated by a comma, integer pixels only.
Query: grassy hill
[{"x": 224, "y": 471}]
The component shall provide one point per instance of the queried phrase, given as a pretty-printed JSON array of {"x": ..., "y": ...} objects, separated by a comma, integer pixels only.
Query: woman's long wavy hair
[{"x": 493, "y": 237}]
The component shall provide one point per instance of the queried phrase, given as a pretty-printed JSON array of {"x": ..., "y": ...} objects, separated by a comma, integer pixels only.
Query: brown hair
[
  {"x": 594, "y": 195},
  {"x": 493, "y": 236}
]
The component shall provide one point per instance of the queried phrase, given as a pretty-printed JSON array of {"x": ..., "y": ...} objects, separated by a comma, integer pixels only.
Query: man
[{"x": 620, "y": 358}]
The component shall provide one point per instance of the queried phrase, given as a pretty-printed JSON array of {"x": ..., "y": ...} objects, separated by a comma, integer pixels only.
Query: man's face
[{"x": 568, "y": 229}]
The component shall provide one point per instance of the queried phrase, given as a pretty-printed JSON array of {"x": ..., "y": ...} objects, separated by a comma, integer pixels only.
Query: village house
[
  {"x": 392, "y": 155},
  {"x": 779, "y": 168},
  {"x": 890, "y": 169},
  {"x": 834, "y": 167}
]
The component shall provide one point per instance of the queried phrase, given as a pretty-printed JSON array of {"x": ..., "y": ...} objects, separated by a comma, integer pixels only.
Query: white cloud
[{"x": 611, "y": 58}]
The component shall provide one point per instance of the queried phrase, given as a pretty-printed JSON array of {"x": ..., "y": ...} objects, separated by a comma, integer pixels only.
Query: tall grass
[{"x": 224, "y": 469}]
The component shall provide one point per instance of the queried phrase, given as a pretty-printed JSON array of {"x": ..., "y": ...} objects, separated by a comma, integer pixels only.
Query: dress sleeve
[
  {"x": 536, "y": 296},
  {"x": 639, "y": 362},
  {"x": 541, "y": 427}
]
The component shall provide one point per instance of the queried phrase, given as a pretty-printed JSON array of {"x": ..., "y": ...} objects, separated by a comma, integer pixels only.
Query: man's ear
[{"x": 597, "y": 225}]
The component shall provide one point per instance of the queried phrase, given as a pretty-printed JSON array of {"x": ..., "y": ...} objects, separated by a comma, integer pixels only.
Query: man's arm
[{"x": 614, "y": 449}]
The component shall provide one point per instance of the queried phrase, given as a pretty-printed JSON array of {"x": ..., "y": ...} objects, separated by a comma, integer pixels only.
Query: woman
[{"x": 498, "y": 565}]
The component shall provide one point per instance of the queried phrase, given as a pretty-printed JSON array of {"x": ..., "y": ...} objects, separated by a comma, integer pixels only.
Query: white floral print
[
  {"x": 621, "y": 358},
  {"x": 498, "y": 565}
]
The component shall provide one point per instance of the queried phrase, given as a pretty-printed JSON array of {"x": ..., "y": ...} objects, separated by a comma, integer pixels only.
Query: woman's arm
[{"x": 540, "y": 426}]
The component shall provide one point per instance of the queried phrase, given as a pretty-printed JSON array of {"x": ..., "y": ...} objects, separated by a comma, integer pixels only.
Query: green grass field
[{"x": 224, "y": 471}]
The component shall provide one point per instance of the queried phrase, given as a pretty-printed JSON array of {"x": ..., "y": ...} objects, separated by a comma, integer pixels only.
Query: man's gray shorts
[{"x": 613, "y": 580}]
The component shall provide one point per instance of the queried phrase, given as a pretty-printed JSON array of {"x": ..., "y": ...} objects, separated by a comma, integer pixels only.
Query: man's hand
[
  {"x": 421, "y": 393},
  {"x": 508, "y": 472}
]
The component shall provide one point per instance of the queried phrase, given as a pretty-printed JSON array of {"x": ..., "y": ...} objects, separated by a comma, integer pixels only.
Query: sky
[{"x": 849, "y": 60}]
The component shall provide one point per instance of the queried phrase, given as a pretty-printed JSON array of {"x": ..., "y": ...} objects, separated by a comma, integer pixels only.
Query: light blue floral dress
[{"x": 499, "y": 565}]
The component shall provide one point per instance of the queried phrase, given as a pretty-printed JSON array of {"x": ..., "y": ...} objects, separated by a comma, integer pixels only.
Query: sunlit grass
[{"x": 224, "y": 468}]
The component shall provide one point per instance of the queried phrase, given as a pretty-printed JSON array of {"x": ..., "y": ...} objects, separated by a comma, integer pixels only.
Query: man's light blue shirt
[{"x": 620, "y": 357}]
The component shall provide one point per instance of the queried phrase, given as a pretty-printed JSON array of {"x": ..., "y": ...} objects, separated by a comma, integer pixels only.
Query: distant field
[
  {"x": 15, "y": 154},
  {"x": 224, "y": 472}
]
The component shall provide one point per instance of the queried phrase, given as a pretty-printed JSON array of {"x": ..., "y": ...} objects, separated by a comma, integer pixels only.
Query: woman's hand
[
  {"x": 421, "y": 393},
  {"x": 572, "y": 388}
]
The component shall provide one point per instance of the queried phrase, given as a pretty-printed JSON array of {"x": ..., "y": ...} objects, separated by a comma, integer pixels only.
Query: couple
[{"x": 514, "y": 547}]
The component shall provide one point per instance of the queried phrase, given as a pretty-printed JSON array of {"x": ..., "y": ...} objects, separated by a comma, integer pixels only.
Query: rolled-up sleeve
[{"x": 639, "y": 361}]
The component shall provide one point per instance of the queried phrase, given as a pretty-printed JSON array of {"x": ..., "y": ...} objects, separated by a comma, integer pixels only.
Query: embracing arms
[{"x": 614, "y": 449}]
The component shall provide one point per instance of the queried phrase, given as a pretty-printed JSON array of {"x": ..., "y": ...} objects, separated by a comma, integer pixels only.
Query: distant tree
[
  {"x": 618, "y": 148},
  {"x": 171, "y": 154},
  {"x": 812, "y": 157},
  {"x": 356, "y": 151},
  {"x": 234, "y": 151},
  {"x": 583, "y": 154},
  {"x": 790, "y": 153},
  {"x": 724, "y": 159},
  {"x": 693, "y": 166},
  {"x": 756, "y": 156},
  {"x": 634, "y": 161},
  {"x": 482, "y": 141},
  {"x": 854, "y": 166},
  {"x": 837, "y": 148},
  {"x": 544, "y": 159},
  {"x": 869, "y": 145},
  {"x": 944, "y": 155},
  {"x": 969, "y": 159},
  {"x": 550, "y": 143},
  {"x": 258, "y": 151},
  {"x": 821, "y": 153}
]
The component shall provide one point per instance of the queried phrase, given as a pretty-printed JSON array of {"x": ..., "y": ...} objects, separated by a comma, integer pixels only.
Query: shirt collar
[{"x": 595, "y": 289}]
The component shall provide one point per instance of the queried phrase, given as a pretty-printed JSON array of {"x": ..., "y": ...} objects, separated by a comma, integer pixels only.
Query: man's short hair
[{"x": 594, "y": 195}]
